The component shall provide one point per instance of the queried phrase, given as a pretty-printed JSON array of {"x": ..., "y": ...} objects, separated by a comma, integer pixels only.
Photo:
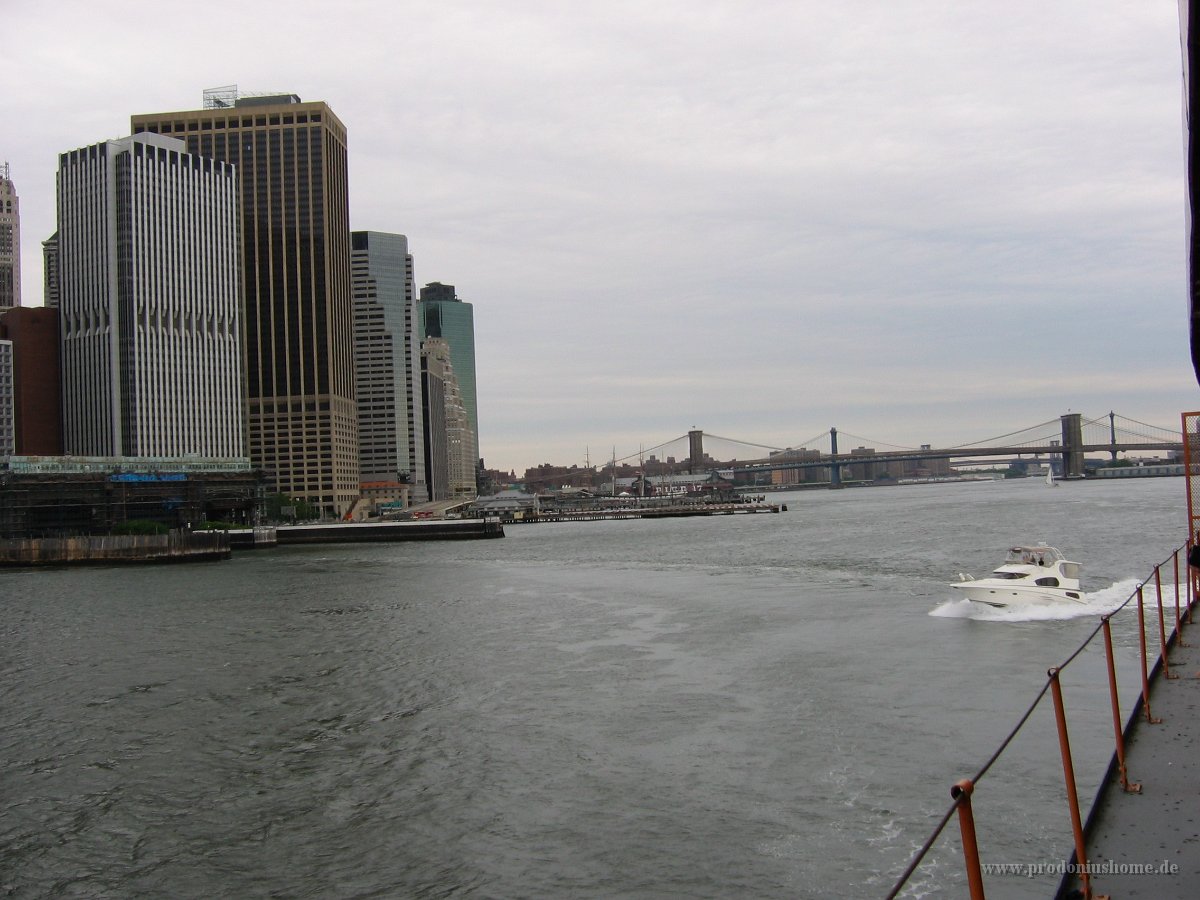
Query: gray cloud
[{"x": 923, "y": 222}]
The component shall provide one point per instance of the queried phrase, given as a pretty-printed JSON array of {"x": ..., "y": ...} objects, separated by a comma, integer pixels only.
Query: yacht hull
[{"x": 997, "y": 593}]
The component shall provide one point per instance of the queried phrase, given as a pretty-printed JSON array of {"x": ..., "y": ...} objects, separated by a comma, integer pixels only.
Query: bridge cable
[
  {"x": 1003, "y": 436},
  {"x": 718, "y": 437}
]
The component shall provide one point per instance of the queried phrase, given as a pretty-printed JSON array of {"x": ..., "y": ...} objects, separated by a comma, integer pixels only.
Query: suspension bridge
[{"x": 1066, "y": 439}]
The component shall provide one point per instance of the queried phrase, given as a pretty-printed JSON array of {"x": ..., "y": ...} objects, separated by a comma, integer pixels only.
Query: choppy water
[{"x": 750, "y": 706}]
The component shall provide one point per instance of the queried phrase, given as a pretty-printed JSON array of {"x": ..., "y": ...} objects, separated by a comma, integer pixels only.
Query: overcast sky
[{"x": 920, "y": 221}]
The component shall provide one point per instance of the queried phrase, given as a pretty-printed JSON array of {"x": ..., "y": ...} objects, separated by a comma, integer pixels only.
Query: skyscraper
[
  {"x": 433, "y": 416},
  {"x": 299, "y": 316},
  {"x": 50, "y": 271},
  {"x": 387, "y": 361},
  {"x": 10, "y": 242},
  {"x": 150, "y": 305},
  {"x": 37, "y": 394},
  {"x": 445, "y": 316},
  {"x": 450, "y": 443},
  {"x": 8, "y": 430}
]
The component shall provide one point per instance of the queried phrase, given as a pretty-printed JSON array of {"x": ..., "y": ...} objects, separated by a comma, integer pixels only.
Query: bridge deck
[{"x": 1162, "y": 823}]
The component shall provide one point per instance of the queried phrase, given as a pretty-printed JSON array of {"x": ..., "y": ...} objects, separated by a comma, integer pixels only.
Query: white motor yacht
[{"x": 1034, "y": 574}]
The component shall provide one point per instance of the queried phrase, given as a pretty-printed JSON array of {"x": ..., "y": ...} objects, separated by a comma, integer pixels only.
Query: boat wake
[{"x": 1097, "y": 604}]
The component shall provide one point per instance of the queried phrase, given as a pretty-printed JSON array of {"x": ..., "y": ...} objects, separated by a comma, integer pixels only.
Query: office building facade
[
  {"x": 8, "y": 429},
  {"x": 10, "y": 242},
  {"x": 450, "y": 442},
  {"x": 445, "y": 316},
  {"x": 433, "y": 418},
  {"x": 150, "y": 321},
  {"x": 50, "y": 271},
  {"x": 387, "y": 362},
  {"x": 299, "y": 317}
]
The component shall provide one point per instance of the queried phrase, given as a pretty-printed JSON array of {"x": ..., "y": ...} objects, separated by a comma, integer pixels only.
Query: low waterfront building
[
  {"x": 1143, "y": 470},
  {"x": 686, "y": 484},
  {"x": 506, "y": 504},
  {"x": 380, "y": 497},
  {"x": 49, "y": 496}
]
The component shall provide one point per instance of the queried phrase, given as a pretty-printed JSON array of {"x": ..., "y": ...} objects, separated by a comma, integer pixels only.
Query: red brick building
[{"x": 33, "y": 331}]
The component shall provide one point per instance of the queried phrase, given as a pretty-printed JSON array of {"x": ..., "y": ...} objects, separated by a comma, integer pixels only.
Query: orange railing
[{"x": 961, "y": 792}]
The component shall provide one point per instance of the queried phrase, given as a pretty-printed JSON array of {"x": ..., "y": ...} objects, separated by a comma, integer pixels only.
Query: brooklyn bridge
[{"x": 1065, "y": 441}]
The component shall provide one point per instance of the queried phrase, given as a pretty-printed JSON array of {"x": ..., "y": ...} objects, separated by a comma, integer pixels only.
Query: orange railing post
[
  {"x": 1162, "y": 625},
  {"x": 1064, "y": 744},
  {"x": 1192, "y": 577},
  {"x": 1129, "y": 786},
  {"x": 1145, "y": 672},
  {"x": 1190, "y": 596},
  {"x": 1179, "y": 641},
  {"x": 961, "y": 793}
]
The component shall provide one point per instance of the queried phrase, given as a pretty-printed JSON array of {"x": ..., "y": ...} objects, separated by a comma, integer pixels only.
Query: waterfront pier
[
  {"x": 383, "y": 532},
  {"x": 110, "y": 549}
]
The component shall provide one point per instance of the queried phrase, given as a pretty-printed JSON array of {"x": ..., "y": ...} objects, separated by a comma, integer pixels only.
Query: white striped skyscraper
[{"x": 148, "y": 243}]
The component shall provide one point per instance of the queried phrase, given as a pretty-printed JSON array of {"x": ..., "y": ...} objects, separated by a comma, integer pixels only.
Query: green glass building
[{"x": 443, "y": 315}]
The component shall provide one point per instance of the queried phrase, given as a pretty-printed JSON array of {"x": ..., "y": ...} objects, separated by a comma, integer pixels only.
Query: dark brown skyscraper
[
  {"x": 299, "y": 318},
  {"x": 33, "y": 331}
]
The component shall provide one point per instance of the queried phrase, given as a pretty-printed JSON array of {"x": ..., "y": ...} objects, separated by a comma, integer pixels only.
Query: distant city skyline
[{"x": 926, "y": 225}]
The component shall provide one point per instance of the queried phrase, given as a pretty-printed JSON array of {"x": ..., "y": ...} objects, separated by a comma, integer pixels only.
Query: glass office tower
[
  {"x": 387, "y": 361},
  {"x": 445, "y": 316},
  {"x": 299, "y": 314}
]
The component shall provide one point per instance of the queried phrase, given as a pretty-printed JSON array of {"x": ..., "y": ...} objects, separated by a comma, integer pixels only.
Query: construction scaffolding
[{"x": 75, "y": 501}]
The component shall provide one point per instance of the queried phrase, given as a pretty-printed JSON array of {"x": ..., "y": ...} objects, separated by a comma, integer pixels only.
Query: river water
[{"x": 740, "y": 706}]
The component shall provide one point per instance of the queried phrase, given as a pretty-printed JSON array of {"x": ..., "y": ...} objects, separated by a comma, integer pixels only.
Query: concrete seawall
[
  {"x": 178, "y": 546},
  {"x": 376, "y": 532}
]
